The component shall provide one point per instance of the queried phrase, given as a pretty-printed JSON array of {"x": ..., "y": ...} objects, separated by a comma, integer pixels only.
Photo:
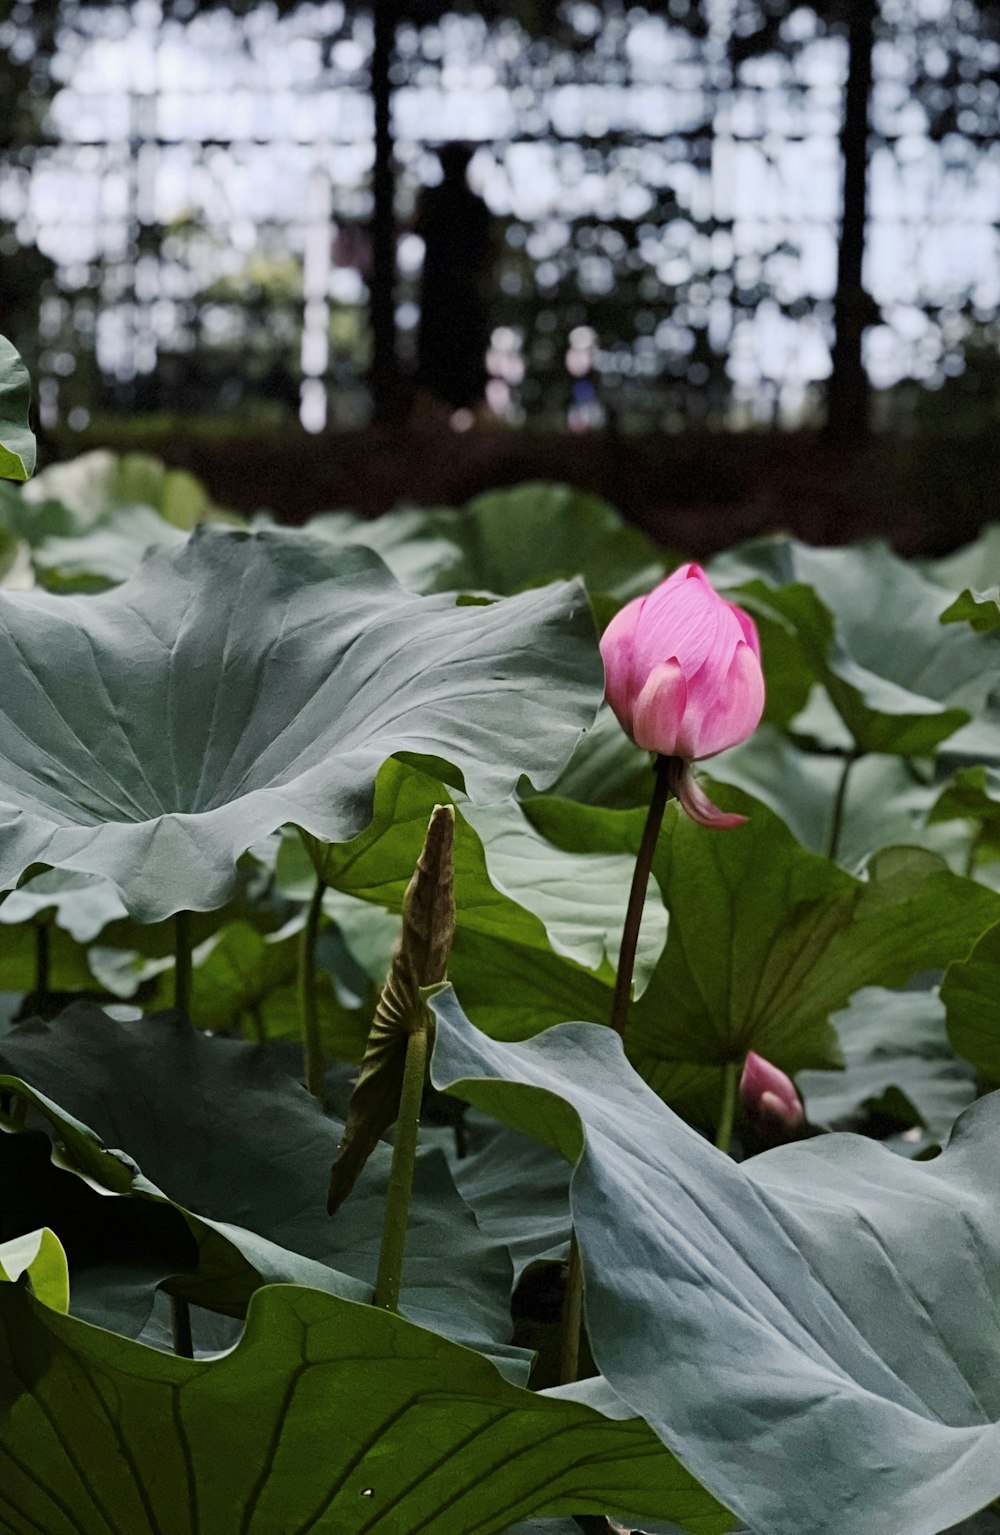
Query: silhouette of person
[{"x": 453, "y": 333}]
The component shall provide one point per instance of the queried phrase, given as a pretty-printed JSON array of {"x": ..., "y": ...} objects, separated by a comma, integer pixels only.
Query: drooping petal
[
  {"x": 618, "y": 655},
  {"x": 723, "y": 712},
  {"x": 658, "y": 715},
  {"x": 695, "y": 802},
  {"x": 749, "y": 629}
]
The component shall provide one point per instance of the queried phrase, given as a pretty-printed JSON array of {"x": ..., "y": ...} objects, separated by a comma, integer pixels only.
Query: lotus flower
[
  {"x": 768, "y": 1095},
  {"x": 683, "y": 675}
]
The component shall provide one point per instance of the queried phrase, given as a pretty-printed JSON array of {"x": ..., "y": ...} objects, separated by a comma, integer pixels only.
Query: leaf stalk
[
  {"x": 571, "y": 1321},
  {"x": 404, "y": 1158},
  {"x": 839, "y": 805},
  {"x": 727, "y": 1113},
  {"x": 312, "y": 1044}
]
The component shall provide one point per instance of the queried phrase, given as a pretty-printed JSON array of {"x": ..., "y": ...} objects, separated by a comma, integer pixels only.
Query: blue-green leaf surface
[
  {"x": 806, "y": 1330},
  {"x": 153, "y": 733}
]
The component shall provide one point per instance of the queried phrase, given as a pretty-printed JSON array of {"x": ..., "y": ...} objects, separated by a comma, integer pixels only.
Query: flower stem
[
  {"x": 182, "y": 961},
  {"x": 404, "y": 1156},
  {"x": 838, "y": 805},
  {"x": 312, "y": 1045},
  {"x": 667, "y": 770},
  {"x": 572, "y": 1316},
  {"x": 727, "y": 1113}
]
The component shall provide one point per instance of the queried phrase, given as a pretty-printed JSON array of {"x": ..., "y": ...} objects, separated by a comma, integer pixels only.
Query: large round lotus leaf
[
  {"x": 106, "y": 554},
  {"x": 17, "y": 441},
  {"x": 868, "y": 625},
  {"x": 96, "y": 483},
  {"x": 328, "y": 1418},
  {"x": 812, "y": 1332},
  {"x": 517, "y": 537},
  {"x": 152, "y": 733}
]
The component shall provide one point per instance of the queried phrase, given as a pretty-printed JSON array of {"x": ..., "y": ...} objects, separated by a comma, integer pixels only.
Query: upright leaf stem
[
  {"x": 667, "y": 771},
  {"x": 727, "y": 1113},
  {"x": 572, "y": 1317},
  {"x": 404, "y": 1157},
  {"x": 838, "y": 805},
  {"x": 312, "y": 1045},
  {"x": 182, "y": 961}
]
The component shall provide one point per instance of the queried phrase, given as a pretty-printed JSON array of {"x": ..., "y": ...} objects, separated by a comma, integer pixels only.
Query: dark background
[{"x": 766, "y": 233}]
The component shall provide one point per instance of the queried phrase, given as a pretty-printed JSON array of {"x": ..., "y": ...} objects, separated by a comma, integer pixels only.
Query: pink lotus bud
[
  {"x": 683, "y": 675},
  {"x": 768, "y": 1095}
]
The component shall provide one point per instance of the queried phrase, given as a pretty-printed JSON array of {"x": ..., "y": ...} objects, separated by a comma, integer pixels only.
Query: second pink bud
[{"x": 769, "y": 1096}]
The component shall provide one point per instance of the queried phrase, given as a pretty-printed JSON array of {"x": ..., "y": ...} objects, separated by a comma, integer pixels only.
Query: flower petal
[
  {"x": 659, "y": 710},
  {"x": 696, "y": 803},
  {"x": 749, "y": 629},
  {"x": 723, "y": 712},
  {"x": 618, "y": 655},
  {"x": 681, "y": 619}
]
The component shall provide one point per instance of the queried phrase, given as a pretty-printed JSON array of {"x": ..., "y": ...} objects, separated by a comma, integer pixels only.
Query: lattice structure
[{"x": 665, "y": 188}]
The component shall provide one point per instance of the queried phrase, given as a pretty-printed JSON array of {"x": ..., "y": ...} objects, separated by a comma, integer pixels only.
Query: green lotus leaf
[
  {"x": 537, "y": 532},
  {"x": 606, "y": 769},
  {"x": 545, "y": 1527},
  {"x": 96, "y": 484},
  {"x": 73, "y": 555},
  {"x": 537, "y": 925},
  {"x": 805, "y": 1330},
  {"x": 766, "y": 940},
  {"x": 580, "y": 897},
  {"x": 972, "y": 798},
  {"x": 973, "y": 794},
  {"x": 420, "y": 559},
  {"x": 29, "y": 956},
  {"x": 9, "y": 548},
  {"x": 217, "y": 1130},
  {"x": 50, "y": 923},
  {"x": 508, "y": 541},
  {"x": 808, "y": 933},
  {"x": 519, "y": 1191},
  {"x": 974, "y": 565},
  {"x": 106, "y": 554},
  {"x": 23, "y": 520},
  {"x": 40, "y": 1258},
  {"x": 17, "y": 440},
  {"x": 883, "y": 803},
  {"x": 970, "y": 992},
  {"x": 869, "y": 626},
  {"x": 980, "y": 609},
  {"x": 81, "y": 904},
  {"x": 899, "y": 1066},
  {"x": 152, "y": 733},
  {"x": 365, "y": 934},
  {"x": 246, "y": 980},
  {"x": 327, "y": 1416},
  {"x": 119, "y": 1250}
]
